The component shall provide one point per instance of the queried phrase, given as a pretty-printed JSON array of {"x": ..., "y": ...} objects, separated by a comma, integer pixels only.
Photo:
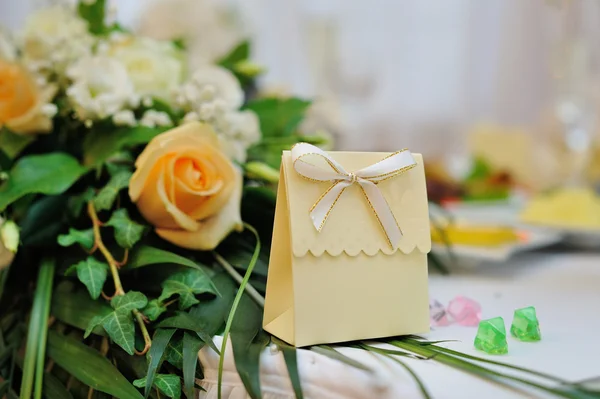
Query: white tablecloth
[{"x": 564, "y": 288}]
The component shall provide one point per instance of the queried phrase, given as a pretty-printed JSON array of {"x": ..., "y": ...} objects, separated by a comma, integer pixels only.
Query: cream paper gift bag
[{"x": 349, "y": 280}]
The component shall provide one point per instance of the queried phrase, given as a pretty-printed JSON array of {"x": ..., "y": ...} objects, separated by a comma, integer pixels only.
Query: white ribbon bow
[{"x": 367, "y": 179}]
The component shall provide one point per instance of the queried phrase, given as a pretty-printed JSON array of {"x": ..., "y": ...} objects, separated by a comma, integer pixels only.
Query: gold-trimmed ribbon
[{"x": 367, "y": 179}]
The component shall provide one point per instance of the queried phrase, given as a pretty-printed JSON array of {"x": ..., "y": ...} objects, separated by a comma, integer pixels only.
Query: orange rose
[
  {"x": 187, "y": 188},
  {"x": 21, "y": 101}
]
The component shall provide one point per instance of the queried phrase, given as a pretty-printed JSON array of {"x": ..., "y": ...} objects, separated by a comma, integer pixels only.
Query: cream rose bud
[
  {"x": 209, "y": 84},
  {"x": 187, "y": 188},
  {"x": 156, "y": 68},
  {"x": 9, "y": 242}
]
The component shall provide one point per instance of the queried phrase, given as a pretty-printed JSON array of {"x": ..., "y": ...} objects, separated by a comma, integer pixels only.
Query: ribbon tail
[
  {"x": 322, "y": 208},
  {"x": 382, "y": 211}
]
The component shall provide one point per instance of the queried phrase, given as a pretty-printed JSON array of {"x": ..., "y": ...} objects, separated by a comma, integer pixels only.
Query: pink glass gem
[
  {"x": 437, "y": 313},
  {"x": 465, "y": 311}
]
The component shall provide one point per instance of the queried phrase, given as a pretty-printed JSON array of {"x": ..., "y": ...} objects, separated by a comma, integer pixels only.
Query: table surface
[{"x": 563, "y": 286}]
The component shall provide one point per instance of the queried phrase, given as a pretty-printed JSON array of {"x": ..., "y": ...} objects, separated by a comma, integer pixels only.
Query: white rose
[
  {"x": 101, "y": 87},
  {"x": 54, "y": 37},
  {"x": 237, "y": 131},
  {"x": 155, "y": 67},
  {"x": 209, "y": 84}
]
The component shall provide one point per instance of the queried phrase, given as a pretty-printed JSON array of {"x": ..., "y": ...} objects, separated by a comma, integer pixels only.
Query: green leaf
[
  {"x": 279, "y": 117},
  {"x": 127, "y": 232},
  {"x": 12, "y": 144},
  {"x": 48, "y": 174},
  {"x": 185, "y": 321},
  {"x": 89, "y": 366},
  {"x": 85, "y": 238},
  {"x": 77, "y": 309},
  {"x": 241, "y": 52},
  {"x": 54, "y": 389},
  {"x": 187, "y": 284},
  {"x": 159, "y": 344},
  {"x": 211, "y": 315},
  {"x": 146, "y": 256},
  {"x": 174, "y": 352},
  {"x": 35, "y": 351},
  {"x": 128, "y": 302},
  {"x": 92, "y": 273},
  {"x": 100, "y": 145},
  {"x": 106, "y": 197},
  {"x": 120, "y": 328},
  {"x": 248, "y": 340},
  {"x": 191, "y": 347},
  {"x": 245, "y": 324},
  {"x": 78, "y": 202},
  {"x": 169, "y": 384},
  {"x": 291, "y": 362},
  {"x": 44, "y": 221},
  {"x": 93, "y": 12},
  {"x": 154, "y": 309}
]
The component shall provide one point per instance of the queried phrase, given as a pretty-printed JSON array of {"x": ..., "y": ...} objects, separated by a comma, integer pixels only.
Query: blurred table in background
[{"x": 562, "y": 284}]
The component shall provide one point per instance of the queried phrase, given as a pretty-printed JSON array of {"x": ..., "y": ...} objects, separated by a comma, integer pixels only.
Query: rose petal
[
  {"x": 181, "y": 139},
  {"x": 183, "y": 220},
  {"x": 214, "y": 229}
]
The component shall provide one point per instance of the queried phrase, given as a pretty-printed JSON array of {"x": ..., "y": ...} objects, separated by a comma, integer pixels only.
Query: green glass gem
[
  {"x": 525, "y": 325},
  {"x": 491, "y": 336}
]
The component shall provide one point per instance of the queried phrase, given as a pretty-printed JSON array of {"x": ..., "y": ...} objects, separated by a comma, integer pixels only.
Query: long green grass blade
[
  {"x": 38, "y": 325},
  {"x": 415, "y": 377},
  {"x": 191, "y": 346},
  {"x": 159, "y": 344},
  {"x": 89, "y": 366},
  {"x": 291, "y": 362},
  {"x": 335, "y": 355},
  {"x": 234, "y": 306},
  {"x": 49, "y": 267},
  {"x": 486, "y": 373}
]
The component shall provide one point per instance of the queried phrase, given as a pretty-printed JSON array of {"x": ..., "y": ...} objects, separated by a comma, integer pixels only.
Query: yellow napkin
[
  {"x": 475, "y": 235},
  {"x": 567, "y": 207}
]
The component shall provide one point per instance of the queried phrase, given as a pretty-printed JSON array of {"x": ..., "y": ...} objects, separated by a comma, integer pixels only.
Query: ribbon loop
[{"x": 367, "y": 179}]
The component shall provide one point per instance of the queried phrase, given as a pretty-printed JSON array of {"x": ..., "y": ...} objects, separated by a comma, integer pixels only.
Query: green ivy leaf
[
  {"x": 85, "y": 238},
  {"x": 120, "y": 328},
  {"x": 76, "y": 308},
  {"x": 106, "y": 197},
  {"x": 93, "y": 12},
  {"x": 174, "y": 352},
  {"x": 99, "y": 145},
  {"x": 127, "y": 232},
  {"x": 92, "y": 273},
  {"x": 12, "y": 144},
  {"x": 49, "y": 174},
  {"x": 279, "y": 116},
  {"x": 187, "y": 284},
  {"x": 119, "y": 323},
  {"x": 154, "y": 309},
  {"x": 169, "y": 384},
  {"x": 128, "y": 302}
]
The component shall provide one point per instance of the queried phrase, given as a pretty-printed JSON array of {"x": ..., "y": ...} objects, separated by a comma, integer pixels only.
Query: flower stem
[
  {"x": 114, "y": 270},
  {"x": 250, "y": 290}
]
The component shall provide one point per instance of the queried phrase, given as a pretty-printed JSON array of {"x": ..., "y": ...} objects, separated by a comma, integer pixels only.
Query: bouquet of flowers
[{"x": 125, "y": 180}]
